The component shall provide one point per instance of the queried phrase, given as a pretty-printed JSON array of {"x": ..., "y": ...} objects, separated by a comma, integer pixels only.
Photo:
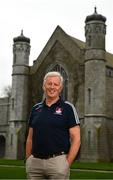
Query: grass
[
  {"x": 96, "y": 166},
  {"x": 15, "y": 169},
  {"x": 12, "y": 173},
  {"x": 90, "y": 175},
  {"x": 12, "y": 162},
  {"x": 12, "y": 169},
  {"x": 88, "y": 171}
]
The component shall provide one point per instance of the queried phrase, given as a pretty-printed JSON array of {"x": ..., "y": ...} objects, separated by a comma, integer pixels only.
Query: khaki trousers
[{"x": 52, "y": 168}]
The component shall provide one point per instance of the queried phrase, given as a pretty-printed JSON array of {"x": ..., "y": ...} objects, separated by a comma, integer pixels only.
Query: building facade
[{"x": 87, "y": 70}]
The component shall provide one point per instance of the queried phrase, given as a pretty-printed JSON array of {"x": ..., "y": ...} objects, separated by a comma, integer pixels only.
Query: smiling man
[{"x": 54, "y": 133}]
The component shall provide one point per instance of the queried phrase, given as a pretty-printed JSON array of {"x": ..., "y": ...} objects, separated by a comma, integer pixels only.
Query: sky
[{"x": 38, "y": 19}]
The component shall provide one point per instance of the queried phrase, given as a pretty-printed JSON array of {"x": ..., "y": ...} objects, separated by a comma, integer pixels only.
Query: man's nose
[{"x": 52, "y": 85}]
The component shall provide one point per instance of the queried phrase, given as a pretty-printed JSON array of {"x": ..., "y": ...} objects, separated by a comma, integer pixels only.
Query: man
[{"x": 54, "y": 133}]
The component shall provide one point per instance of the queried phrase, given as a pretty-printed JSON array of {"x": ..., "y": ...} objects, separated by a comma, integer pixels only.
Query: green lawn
[
  {"x": 12, "y": 173},
  {"x": 15, "y": 169},
  {"x": 98, "y": 166}
]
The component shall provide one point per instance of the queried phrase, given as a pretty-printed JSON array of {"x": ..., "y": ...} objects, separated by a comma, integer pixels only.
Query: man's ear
[{"x": 61, "y": 88}]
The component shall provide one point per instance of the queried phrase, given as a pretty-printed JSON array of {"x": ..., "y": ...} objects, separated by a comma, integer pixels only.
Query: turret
[
  {"x": 95, "y": 31},
  {"x": 93, "y": 147},
  {"x": 21, "y": 50},
  {"x": 19, "y": 97}
]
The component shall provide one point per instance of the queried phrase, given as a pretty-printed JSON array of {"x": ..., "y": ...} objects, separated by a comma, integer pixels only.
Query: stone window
[
  {"x": 12, "y": 103},
  {"x": 109, "y": 72},
  {"x": 89, "y": 137},
  {"x": 11, "y": 140},
  {"x": 14, "y": 59},
  {"x": 89, "y": 95},
  {"x": 89, "y": 40}
]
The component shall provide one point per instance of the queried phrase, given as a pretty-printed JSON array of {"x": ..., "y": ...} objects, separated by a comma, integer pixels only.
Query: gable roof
[
  {"x": 69, "y": 43},
  {"x": 80, "y": 43},
  {"x": 109, "y": 59}
]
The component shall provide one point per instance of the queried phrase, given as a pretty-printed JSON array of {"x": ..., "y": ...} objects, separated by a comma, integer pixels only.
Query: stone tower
[
  {"x": 94, "y": 137},
  {"x": 19, "y": 97}
]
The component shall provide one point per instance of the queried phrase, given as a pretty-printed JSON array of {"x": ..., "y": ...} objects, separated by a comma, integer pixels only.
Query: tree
[{"x": 7, "y": 91}]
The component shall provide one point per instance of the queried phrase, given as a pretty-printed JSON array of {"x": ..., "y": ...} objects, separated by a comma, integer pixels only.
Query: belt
[{"x": 48, "y": 156}]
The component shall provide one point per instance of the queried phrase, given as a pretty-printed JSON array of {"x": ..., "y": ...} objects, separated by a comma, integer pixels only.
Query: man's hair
[{"x": 52, "y": 74}]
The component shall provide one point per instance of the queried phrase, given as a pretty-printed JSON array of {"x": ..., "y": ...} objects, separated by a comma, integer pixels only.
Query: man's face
[{"x": 52, "y": 87}]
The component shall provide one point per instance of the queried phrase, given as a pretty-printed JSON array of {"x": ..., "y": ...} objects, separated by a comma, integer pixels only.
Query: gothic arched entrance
[{"x": 2, "y": 146}]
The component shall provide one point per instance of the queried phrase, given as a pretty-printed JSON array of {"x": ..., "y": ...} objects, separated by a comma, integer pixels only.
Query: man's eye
[
  {"x": 56, "y": 84},
  {"x": 49, "y": 84}
]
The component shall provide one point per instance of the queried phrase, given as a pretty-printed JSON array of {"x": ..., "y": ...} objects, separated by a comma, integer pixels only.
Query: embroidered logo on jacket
[{"x": 58, "y": 111}]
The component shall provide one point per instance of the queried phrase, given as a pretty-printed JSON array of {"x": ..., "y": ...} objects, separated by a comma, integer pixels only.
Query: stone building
[{"x": 88, "y": 83}]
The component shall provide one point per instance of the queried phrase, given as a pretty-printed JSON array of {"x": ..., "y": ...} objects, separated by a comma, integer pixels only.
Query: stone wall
[
  {"x": 4, "y": 118},
  {"x": 4, "y": 110}
]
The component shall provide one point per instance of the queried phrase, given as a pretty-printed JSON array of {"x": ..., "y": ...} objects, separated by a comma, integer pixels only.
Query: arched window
[
  {"x": 89, "y": 40},
  {"x": 89, "y": 95},
  {"x": 89, "y": 137},
  {"x": 60, "y": 69}
]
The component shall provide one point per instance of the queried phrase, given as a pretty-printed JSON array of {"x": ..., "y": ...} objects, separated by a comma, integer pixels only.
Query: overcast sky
[{"x": 38, "y": 19}]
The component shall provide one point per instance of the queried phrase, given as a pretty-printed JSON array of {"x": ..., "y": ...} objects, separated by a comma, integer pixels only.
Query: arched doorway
[{"x": 2, "y": 146}]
